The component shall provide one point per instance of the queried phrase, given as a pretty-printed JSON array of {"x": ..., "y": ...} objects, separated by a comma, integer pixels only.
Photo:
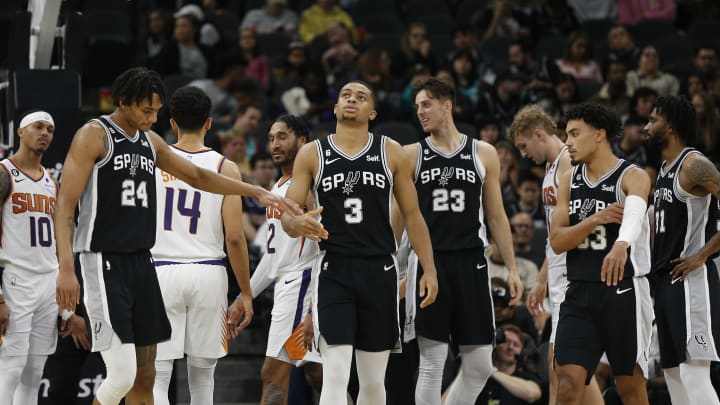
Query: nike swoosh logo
[
  {"x": 429, "y": 157},
  {"x": 481, "y": 266},
  {"x": 18, "y": 180},
  {"x": 675, "y": 280},
  {"x": 574, "y": 185},
  {"x": 619, "y": 291},
  {"x": 290, "y": 281},
  {"x": 328, "y": 161},
  {"x": 386, "y": 268},
  {"x": 118, "y": 140}
]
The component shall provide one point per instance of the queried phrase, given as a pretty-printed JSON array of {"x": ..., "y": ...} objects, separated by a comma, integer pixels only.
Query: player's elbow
[{"x": 557, "y": 245}]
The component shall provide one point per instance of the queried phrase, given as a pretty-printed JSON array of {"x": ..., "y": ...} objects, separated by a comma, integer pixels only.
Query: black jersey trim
[
  {"x": 603, "y": 177},
  {"x": 111, "y": 143},
  {"x": 122, "y": 131},
  {"x": 678, "y": 160}
]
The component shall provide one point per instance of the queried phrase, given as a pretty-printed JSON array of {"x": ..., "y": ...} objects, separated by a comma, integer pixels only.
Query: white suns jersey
[
  {"x": 549, "y": 194},
  {"x": 286, "y": 254},
  {"x": 189, "y": 221},
  {"x": 28, "y": 232}
]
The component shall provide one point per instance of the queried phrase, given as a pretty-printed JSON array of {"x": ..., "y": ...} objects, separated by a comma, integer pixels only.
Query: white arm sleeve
[
  {"x": 633, "y": 217},
  {"x": 261, "y": 279}
]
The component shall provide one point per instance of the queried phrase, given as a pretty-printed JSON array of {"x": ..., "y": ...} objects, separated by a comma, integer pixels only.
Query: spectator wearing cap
[
  {"x": 227, "y": 71},
  {"x": 577, "y": 59},
  {"x": 502, "y": 100},
  {"x": 275, "y": 17},
  {"x": 184, "y": 54},
  {"x": 648, "y": 74},
  {"x": 316, "y": 20},
  {"x": 615, "y": 94}
]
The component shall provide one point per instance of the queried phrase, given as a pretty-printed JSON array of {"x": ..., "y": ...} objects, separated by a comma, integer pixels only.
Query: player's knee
[
  {"x": 117, "y": 384},
  {"x": 630, "y": 392},
  {"x": 314, "y": 376},
  {"x": 269, "y": 372},
  {"x": 373, "y": 389},
  {"x": 568, "y": 392}
]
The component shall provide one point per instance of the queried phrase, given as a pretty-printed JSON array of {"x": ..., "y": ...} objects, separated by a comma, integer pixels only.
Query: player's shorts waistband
[{"x": 213, "y": 262}]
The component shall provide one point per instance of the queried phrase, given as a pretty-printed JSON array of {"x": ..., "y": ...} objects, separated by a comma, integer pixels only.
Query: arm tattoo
[
  {"x": 106, "y": 145},
  {"x": 705, "y": 174},
  {"x": 4, "y": 185}
]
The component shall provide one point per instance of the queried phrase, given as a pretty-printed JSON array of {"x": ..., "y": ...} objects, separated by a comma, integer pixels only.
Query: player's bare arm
[
  {"x": 635, "y": 183},
  {"x": 304, "y": 170},
  {"x": 406, "y": 196},
  {"x": 89, "y": 145},
  {"x": 240, "y": 312},
  {"x": 496, "y": 218},
  {"x": 564, "y": 237},
  {"x": 4, "y": 193},
  {"x": 700, "y": 176},
  {"x": 209, "y": 180}
]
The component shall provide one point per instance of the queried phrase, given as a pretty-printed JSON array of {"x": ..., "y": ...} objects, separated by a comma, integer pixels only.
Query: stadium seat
[
  {"x": 271, "y": 44},
  {"x": 436, "y": 23},
  {"x": 673, "y": 49},
  {"x": 553, "y": 47},
  {"x": 417, "y": 8},
  {"x": 400, "y": 131},
  {"x": 467, "y": 129},
  {"x": 469, "y": 11},
  {"x": 647, "y": 31},
  {"x": 597, "y": 29}
]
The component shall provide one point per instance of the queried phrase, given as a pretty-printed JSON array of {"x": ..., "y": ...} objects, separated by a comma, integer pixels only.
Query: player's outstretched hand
[
  {"x": 309, "y": 226},
  {"x": 4, "y": 318},
  {"x": 516, "y": 288},
  {"x": 686, "y": 265},
  {"x": 613, "y": 267},
  {"x": 428, "y": 288},
  {"x": 75, "y": 327},
  {"x": 535, "y": 298},
  {"x": 612, "y": 214},
  {"x": 269, "y": 199},
  {"x": 67, "y": 291},
  {"x": 239, "y": 315},
  {"x": 308, "y": 332}
]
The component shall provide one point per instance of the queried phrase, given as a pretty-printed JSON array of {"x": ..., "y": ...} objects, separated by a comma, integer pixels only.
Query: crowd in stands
[{"x": 258, "y": 59}]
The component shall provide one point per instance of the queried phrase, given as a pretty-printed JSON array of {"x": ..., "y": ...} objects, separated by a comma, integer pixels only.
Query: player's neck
[
  {"x": 27, "y": 160},
  {"x": 672, "y": 149},
  {"x": 287, "y": 171},
  {"x": 350, "y": 138},
  {"x": 554, "y": 146},
  {"x": 603, "y": 161},
  {"x": 447, "y": 138},
  {"x": 191, "y": 142},
  {"x": 119, "y": 119}
]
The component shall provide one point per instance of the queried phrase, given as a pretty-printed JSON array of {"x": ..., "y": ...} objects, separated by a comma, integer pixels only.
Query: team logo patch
[
  {"x": 587, "y": 206},
  {"x": 700, "y": 340},
  {"x": 446, "y": 175},
  {"x": 350, "y": 181}
]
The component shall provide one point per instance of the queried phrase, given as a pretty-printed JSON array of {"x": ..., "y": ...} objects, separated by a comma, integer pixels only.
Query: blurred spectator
[
  {"x": 693, "y": 84},
  {"x": 631, "y": 145},
  {"x": 538, "y": 75},
  {"x": 706, "y": 63},
  {"x": 262, "y": 173},
  {"x": 642, "y": 101},
  {"x": 159, "y": 31},
  {"x": 648, "y": 74},
  {"x": 291, "y": 71},
  {"x": 463, "y": 107},
  {"x": 577, "y": 59},
  {"x": 630, "y": 12},
  {"x": 274, "y": 17},
  {"x": 248, "y": 91},
  {"x": 320, "y": 97},
  {"x": 415, "y": 48},
  {"x": 488, "y": 130},
  {"x": 555, "y": 18},
  {"x": 509, "y": 170},
  {"x": 220, "y": 28},
  {"x": 183, "y": 54},
  {"x": 258, "y": 67},
  {"x": 517, "y": 315},
  {"x": 339, "y": 61},
  {"x": 708, "y": 126},
  {"x": 373, "y": 67},
  {"x": 316, "y": 20},
  {"x": 464, "y": 38},
  {"x": 502, "y": 100},
  {"x": 464, "y": 72},
  {"x": 615, "y": 94},
  {"x": 621, "y": 47},
  {"x": 505, "y": 21},
  {"x": 417, "y": 73},
  {"x": 246, "y": 123},
  {"x": 529, "y": 239},
  {"x": 515, "y": 381},
  {"x": 234, "y": 148},
  {"x": 228, "y": 70},
  {"x": 564, "y": 96},
  {"x": 594, "y": 10},
  {"x": 529, "y": 200}
]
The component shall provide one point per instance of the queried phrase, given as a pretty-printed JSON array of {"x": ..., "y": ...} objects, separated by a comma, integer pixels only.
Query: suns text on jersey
[{"x": 23, "y": 202}]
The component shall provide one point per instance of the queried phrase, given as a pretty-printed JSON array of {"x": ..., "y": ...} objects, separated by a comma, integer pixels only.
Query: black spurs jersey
[
  {"x": 449, "y": 189},
  {"x": 356, "y": 193},
  {"x": 584, "y": 263},
  {"x": 117, "y": 207},
  {"x": 683, "y": 222}
]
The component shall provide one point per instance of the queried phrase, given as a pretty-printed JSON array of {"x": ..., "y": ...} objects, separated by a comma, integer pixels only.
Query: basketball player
[
  {"x": 111, "y": 165},
  {"x": 288, "y": 262},
  {"x": 685, "y": 280},
  {"x": 28, "y": 311},
  {"x": 189, "y": 256},
  {"x": 457, "y": 179},
  {"x": 354, "y": 175},
  {"x": 533, "y": 132},
  {"x": 600, "y": 221}
]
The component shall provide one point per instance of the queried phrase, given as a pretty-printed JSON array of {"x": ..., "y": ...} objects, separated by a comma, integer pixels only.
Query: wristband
[{"x": 65, "y": 315}]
